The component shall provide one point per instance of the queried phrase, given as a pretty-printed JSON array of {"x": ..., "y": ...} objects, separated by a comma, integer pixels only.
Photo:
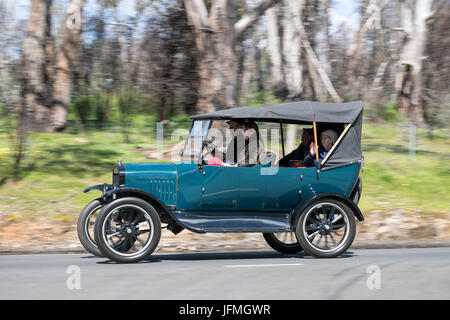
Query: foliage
[
  {"x": 388, "y": 111},
  {"x": 393, "y": 180}
]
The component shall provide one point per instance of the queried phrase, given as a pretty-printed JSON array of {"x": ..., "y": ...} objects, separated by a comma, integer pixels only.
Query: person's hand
[
  {"x": 224, "y": 164},
  {"x": 312, "y": 149}
]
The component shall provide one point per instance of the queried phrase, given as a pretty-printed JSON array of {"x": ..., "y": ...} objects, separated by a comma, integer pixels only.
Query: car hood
[{"x": 158, "y": 179}]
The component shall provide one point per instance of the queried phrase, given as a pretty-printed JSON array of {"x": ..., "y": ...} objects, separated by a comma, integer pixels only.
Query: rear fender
[
  {"x": 300, "y": 208},
  {"x": 355, "y": 195}
]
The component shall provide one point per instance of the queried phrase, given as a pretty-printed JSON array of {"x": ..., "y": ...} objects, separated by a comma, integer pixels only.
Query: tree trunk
[
  {"x": 65, "y": 61},
  {"x": 316, "y": 71},
  {"x": 278, "y": 82},
  {"x": 34, "y": 110},
  {"x": 318, "y": 91},
  {"x": 216, "y": 37},
  {"x": 370, "y": 18},
  {"x": 292, "y": 40},
  {"x": 249, "y": 67},
  {"x": 409, "y": 75}
]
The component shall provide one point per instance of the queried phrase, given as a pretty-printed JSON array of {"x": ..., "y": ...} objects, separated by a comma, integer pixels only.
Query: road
[{"x": 359, "y": 274}]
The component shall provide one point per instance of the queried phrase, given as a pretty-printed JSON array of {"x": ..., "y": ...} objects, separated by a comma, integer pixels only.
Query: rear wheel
[
  {"x": 127, "y": 230},
  {"x": 284, "y": 242},
  {"x": 85, "y": 226},
  {"x": 326, "y": 229}
]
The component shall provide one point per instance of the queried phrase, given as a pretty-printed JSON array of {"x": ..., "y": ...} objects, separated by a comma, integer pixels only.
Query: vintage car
[{"x": 296, "y": 208}]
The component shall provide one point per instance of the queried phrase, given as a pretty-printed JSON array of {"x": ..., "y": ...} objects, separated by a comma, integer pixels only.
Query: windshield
[{"x": 194, "y": 142}]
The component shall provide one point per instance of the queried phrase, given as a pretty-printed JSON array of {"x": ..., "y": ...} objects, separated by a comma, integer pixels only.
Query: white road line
[{"x": 263, "y": 265}]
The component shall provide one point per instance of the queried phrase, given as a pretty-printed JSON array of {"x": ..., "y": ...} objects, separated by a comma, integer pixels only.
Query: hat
[
  {"x": 308, "y": 130},
  {"x": 240, "y": 121},
  {"x": 332, "y": 134}
]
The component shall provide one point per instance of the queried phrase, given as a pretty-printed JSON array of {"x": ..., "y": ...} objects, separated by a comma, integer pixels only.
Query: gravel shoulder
[{"x": 381, "y": 229}]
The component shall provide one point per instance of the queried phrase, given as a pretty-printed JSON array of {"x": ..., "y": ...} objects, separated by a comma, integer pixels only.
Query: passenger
[
  {"x": 328, "y": 139},
  {"x": 255, "y": 150},
  {"x": 302, "y": 150},
  {"x": 246, "y": 147},
  {"x": 215, "y": 161},
  {"x": 237, "y": 128}
]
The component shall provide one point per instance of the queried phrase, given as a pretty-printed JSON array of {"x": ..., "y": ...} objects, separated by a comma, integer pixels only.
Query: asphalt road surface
[{"x": 359, "y": 274}]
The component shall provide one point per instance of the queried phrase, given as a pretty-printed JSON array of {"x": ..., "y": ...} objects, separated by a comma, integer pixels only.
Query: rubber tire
[
  {"x": 81, "y": 231},
  {"x": 279, "y": 246},
  {"x": 308, "y": 248},
  {"x": 98, "y": 232}
]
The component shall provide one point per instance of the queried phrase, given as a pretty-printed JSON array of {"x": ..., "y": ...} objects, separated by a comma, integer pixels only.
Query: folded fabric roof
[{"x": 302, "y": 112}]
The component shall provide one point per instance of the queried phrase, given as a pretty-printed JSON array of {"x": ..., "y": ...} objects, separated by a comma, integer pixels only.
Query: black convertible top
[
  {"x": 327, "y": 115},
  {"x": 300, "y": 112}
]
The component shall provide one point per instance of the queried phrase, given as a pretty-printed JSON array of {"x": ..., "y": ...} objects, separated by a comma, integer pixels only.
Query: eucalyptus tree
[
  {"x": 65, "y": 64},
  {"x": 218, "y": 32}
]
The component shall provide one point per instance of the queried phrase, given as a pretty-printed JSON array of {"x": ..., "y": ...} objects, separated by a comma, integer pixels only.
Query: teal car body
[
  {"x": 209, "y": 190},
  {"x": 206, "y": 198}
]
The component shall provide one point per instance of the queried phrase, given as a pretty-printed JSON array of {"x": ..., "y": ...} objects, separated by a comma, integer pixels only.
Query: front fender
[
  {"x": 120, "y": 191},
  {"x": 298, "y": 210},
  {"x": 104, "y": 188},
  {"x": 164, "y": 211}
]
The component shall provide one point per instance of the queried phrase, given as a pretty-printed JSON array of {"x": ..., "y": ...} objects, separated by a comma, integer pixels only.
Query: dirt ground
[{"x": 381, "y": 229}]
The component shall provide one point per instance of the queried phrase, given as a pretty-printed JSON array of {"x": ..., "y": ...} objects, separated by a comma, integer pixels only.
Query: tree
[
  {"x": 278, "y": 79},
  {"x": 294, "y": 58},
  {"x": 292, "y": 47},
  {"x": 409, "y": 74},
  {"x": 34, "y": 111},
  {"x": 217, "y": 34},
  {"x": 65, "y": 63},
  {"x": 435, "y": 75}
]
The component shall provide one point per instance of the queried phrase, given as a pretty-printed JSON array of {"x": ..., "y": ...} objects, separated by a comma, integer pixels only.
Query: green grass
[
  {"x": 394, "y": 180},
  {"x": 58, "y": 167}
]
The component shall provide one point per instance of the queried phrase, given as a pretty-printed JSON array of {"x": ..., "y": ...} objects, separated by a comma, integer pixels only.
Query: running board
[{"x": 233, "y": 221}]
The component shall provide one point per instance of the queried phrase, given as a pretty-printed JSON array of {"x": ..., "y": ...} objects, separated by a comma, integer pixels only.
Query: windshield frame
[{"x": 196, "y": 155}]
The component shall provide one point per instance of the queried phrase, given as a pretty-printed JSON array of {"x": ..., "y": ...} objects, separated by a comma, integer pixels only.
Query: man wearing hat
[
  {"x": 327, "y": 139},
  {"x": 301, "y": 151}
]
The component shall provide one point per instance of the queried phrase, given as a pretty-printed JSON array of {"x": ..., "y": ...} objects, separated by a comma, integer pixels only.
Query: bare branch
[
  {"x": 315, "y": 62},
  {"x": 120, "y": 24},
  {"x": 374, "y": 8},
  {"x": 197, "y": 13},
  {"x": 380, "y": 72},
  {"x": 251, "y": 17}
]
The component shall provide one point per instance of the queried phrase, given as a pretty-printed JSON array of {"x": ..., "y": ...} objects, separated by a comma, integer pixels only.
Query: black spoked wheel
[
  {"x": 85, "y": 226},
  {"x": 284, "y": 242},
  {"x": 326, "y": 229},
  {"x": 127, "y": 230}
]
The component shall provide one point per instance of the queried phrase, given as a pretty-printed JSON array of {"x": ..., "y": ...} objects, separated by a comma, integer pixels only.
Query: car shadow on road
[
  {"x": 198, "y": 256},
  {"x": 235, "y": 256},
  {"x": 149, "y": 260}
]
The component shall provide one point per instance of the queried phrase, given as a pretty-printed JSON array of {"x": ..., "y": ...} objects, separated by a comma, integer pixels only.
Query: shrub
[{"x": 388, "y": 111}]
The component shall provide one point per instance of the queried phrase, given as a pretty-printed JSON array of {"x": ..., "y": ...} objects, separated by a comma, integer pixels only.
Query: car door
[
  {"x": 286, "y": 187},
  {"x": 220, "y": 191},
  {"x": 252, "y": 187}
]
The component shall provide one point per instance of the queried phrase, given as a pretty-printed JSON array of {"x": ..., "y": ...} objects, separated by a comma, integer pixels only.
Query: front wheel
[
  {"x": 127, "y": 230},
  {"x": 284, "y": 242},
  {"x": 326, "y": 229}
]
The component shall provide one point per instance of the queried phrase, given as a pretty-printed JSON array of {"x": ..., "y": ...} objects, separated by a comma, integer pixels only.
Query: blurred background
[{"x": 85, "y": 82}]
